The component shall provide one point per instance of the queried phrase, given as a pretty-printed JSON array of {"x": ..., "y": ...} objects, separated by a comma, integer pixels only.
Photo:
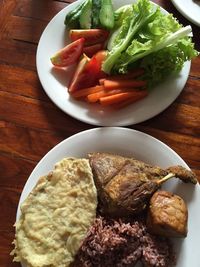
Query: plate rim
[
  {"x": 184, "y": 14},
  {"x": 101, "y": 121}
]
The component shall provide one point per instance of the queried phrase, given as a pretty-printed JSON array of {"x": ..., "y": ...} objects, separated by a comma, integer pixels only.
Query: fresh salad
[{"x": 121, "y": 55}]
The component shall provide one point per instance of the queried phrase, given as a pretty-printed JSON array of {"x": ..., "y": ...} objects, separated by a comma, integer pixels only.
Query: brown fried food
[
  {"x": 183, "y": 174},
  {"x": 128, "y": 191},
  {"x": 167, "y": 215},
  {"x": 125, "y": 185},
  {"x": 105, "y": 166}
]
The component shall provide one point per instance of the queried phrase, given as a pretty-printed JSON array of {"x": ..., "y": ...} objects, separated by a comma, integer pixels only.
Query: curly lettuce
[{"x": 147, "y": 37}]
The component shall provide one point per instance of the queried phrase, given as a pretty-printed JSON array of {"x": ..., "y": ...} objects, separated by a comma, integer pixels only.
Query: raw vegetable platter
[{"x": 55, "y": 81}]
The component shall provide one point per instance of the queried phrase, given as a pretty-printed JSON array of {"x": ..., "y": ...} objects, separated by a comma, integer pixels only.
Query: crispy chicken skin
[
  {"x": 183, "y": 174},
  {"x": 105, "y": 166},
  {"x": 167, "y": 215},
  {"x": 125, "y": 185}
]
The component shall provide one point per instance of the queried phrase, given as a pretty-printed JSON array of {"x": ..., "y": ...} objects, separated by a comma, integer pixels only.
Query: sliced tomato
[
  {"x": 92, "y": 49},
  {"x": 91, "y": 36},
  {"x": 75, "y": 81},
  {"x": 88, "y": 72},
  {"x": 100, "y": 57},
  {"x": 69, "y": 55}
]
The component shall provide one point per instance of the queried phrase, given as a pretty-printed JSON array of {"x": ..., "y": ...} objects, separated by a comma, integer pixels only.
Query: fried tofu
[{"x": 167, "y": 215}]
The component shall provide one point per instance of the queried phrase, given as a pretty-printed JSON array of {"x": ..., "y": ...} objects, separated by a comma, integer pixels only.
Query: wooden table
[{"x": 30, "y": 124}]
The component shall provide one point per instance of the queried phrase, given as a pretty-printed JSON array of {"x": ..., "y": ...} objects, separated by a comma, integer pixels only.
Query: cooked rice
[{"x": 116, "y": 243}]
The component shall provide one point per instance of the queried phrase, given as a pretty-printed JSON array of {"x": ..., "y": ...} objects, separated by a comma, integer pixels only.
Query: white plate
[
  {"x": 54, "y": 82},
  {"x": 144, "y": 147},
  {"x": 190, "y": 9}
]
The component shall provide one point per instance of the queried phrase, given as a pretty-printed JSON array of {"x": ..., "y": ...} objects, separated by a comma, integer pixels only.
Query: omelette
[{"x": 56, "y": 216}]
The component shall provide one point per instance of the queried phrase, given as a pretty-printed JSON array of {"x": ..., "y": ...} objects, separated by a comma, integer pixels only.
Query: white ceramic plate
[
  {"x": 190, "y": 9},
  {"x": 54, "y": 82},
  {"x": 144, "y": 147}
]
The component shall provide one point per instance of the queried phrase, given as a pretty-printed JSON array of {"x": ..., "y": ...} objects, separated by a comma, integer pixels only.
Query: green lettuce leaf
[
  {"x": 142, "y": 13},
  {"x": 162, "y": 63},
  {"x": 145, "y": 35}
]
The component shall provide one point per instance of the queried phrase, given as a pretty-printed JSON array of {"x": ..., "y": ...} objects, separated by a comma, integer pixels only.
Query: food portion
[
  {"x": 56, "y": 215},
  {"x": 91, "y": 14},
  {"x": 167, "y": 215},
  {"x": 102, "y": 211},
  {"x": 145, "y": 36},
  {"x": 183, "y": 174},
  {"x": 120, "y": 243},
  {"x": 142, "y": 46},
  {"x": 125, "y": 185}
]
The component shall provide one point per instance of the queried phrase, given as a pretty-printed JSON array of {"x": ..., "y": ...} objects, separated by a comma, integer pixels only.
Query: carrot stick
[
  {"x": 92, "y": 98},
  {"x": 117, "y": 98},
  {"x": 114, "y": 84},
  {"x": 131, "y": 100},
  {"x": 132, "y": 74},
  {"x": 86, "y": 91}
]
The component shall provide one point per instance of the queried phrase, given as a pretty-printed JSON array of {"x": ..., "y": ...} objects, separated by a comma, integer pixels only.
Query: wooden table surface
[{"x": 30, "y": 124}]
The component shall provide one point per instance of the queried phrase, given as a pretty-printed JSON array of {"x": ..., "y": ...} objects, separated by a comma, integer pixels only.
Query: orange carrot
[
  {"x": 131, "y": 100},
  {"x": 114, "y": 84},
  {"x": 117, "y": 98},
  {"x": 86, "y": 91},
  {"x": 92, "y": 98}
]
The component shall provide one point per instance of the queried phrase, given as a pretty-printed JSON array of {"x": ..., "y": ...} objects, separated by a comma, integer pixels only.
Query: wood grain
[{"x": 30, "y": 124}]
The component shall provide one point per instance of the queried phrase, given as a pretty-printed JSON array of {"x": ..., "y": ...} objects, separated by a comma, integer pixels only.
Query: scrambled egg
[{"x": 56, "y": 215}]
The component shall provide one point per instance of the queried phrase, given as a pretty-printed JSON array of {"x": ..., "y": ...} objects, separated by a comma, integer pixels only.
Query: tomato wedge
[
  {"x": 100, "y": 57},
  {"x": 91, "y": 36},
  {"x": 69, "y": 55},
  {"x": 88, "y": 72},
  {"x": 76, "y": 79},
  {"x": 92, "y": 49}
]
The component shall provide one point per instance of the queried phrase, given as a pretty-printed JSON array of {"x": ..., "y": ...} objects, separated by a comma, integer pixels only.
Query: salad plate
[
  {"x": 55, "y": 82},
  {"x": 143, "y": 147},
  {"x": 190, "y": 9}
]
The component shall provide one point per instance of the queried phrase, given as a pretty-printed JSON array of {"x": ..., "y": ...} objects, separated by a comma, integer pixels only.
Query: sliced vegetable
[
  {"x": 96, "y": 6},
  {"x": 106, "y": 15},
  {"x": 88, "y": 72},
  {"x": 113, "y": 84},
  {"x": 92, "y": 49},
  {"x": 87, "y": 91},
  {"x": 92, "y": 98},
  {"x": 100, "y": 58},
  {"x": 69, "y": 55},
  {"x": 85, "y": 16},
  {"x": 72, "y": 18},
  {"x": 133, "y": 99},
  {"x": 117, "y": 98},
  {"x": 92, "y": 36},
  {"x": 76, "y": 79}
]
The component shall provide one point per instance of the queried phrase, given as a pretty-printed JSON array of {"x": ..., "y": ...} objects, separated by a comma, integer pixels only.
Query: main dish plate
[
  {"x": 144, "y": 147},
  {"x": 190, "y": 9},
  {"x": 55, "y": 82}
]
